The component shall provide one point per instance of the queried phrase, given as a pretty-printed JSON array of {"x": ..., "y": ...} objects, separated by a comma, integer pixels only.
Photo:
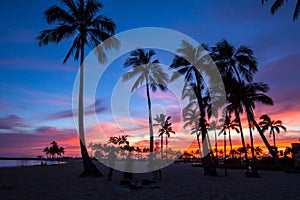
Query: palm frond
[
  {"x": 276, "y": 5},
  {"x": 56, "y": 14}
]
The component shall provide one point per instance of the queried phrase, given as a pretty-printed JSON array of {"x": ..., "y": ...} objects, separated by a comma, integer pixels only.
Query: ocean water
[{"x": 24, "y": 163}]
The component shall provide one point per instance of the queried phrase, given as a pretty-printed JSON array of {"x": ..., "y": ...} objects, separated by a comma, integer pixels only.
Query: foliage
[{"x": 54, "y": 149}]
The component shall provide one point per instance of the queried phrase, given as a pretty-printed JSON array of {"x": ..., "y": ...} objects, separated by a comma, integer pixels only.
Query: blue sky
[{"x": 36, "y": 88}]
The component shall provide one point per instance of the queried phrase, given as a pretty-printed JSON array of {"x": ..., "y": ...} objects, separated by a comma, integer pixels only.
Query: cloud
[
  {"x": 32, "y": 142},
  {"x": 283, "y": 79},
  {"x": 69, "y": 113},
  {"x": 12, "y": 121}
]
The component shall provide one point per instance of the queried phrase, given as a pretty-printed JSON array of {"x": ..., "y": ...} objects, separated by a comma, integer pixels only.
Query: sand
[{"x": 179, "y": 181}]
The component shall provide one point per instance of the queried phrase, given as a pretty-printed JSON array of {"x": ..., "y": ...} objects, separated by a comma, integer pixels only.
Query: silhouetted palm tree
[
  {"x": 273, "y": 125},
  {"x": 191, "y": 63},
  {"x": 166, "y": 129},
  {"x": 46, "y": 151},
  {"x": 235, "y": 94},
  {"x": 213, "y": 125},
  {"x": 80, "y": 21},
  {"x": 255, "y": 93},
  {"x": 235, "y": 65},
  {"x": 54, "y": 149},
  {"x": 238, "y": 63},
  {"x": 240, "y": 151},
  {"x": 227, "y": 125},
  {"x": 191, "y": 118},
  {"x": 258, "y": 151},
  {"x": 149, "y": 72},
  {"x": 61, "y": 151},
  {"x": 278, "y": 3}
]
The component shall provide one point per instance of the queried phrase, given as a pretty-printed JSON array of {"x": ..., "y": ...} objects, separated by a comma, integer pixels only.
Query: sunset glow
[{"x": 36, "y": 88}]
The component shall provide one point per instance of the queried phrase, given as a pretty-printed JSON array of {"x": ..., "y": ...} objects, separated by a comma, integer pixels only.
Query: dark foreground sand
[{"x": 179, "y": 181}]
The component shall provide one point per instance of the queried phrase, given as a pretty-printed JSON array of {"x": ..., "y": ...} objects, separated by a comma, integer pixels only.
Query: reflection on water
[{"x": 23, "y": 163}]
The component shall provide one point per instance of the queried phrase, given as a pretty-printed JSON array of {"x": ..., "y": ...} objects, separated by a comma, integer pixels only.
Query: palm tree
[
  {"x": 240, "y": 151},
  {"x": 235, "y": 65},
  {"x": 61, "y": 151},
  {"x": 213, "y": 126},
  {"x": 238, "y": 63},
  {"x": 224, "y": 133},
  {"x": 166, "y": 129},
  {"x": 46, "y": 151},
  {"x": 80, "y": 21},
  {"x": 191, "y": 62},
  {"x": 255, "y": 93},
  {"x": 229, "y": 124},
  {"x": 278, "y": 3},
  {"x": 191, "y": 118},
  {"x": 147, "y": 71},
  {"x": 258, "y": 151},
  {"x": 274, "y": 125},
  {"x": 161, "y": 119}
]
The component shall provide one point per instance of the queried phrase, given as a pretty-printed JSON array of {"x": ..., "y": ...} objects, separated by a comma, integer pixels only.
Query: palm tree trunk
[
  {"x": 225, "y": 153},
  {"x": 89, "y": 168},
  {"x": 274, "y": 138},
  {"x": 150, "y": 120},
  {"x": 252, "y": 143},
  {"x": 207, "y": 161},
  {"x": 208, "y": 165},
  {"x": 166, "y": 147},
  {"x": 216, "y": 143},
  {"x": 230, "y": 142},
  {"x": 199, "y": 146},
  {"x": 237, "y": 115},
  {"x": 161, "y": 145}
]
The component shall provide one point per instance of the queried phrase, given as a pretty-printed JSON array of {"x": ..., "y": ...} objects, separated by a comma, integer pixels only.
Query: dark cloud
[
  {"x": 98, "y": 105},
  {"x": 12, "y": 121}
]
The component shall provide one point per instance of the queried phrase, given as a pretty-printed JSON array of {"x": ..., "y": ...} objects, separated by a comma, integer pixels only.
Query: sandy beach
[{"x": 179, "y": 181}]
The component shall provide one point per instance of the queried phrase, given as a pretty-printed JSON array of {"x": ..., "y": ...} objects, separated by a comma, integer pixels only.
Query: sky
[{"x": 36, "y": 89}]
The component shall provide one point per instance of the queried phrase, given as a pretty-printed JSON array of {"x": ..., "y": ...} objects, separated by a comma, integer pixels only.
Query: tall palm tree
[
  {"x": 235, "y": 65},
  {"x": 228, "y": 125},
  {"x": 191, "y": 118},
  {"x": 149, "y": 72},
  {"x": 191, "y": 63},
  {"x": 250, "y": 114},
  {"x": 166, "y": 129},
  {"x": 80, "y": 20},
  {"x": 213, "y": 125},
  {"x": 244, "y": 99},
  {"x": 235, "y": 94},
  {"x": 278, "y": 3},
  {"x": 255, "y": 93},
  {"x": 274, "y": 125},
  {"x": 161, "y": 119}
]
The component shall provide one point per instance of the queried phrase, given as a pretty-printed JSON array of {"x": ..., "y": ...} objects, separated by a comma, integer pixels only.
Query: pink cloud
[{"x": 32, "y": 143}]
